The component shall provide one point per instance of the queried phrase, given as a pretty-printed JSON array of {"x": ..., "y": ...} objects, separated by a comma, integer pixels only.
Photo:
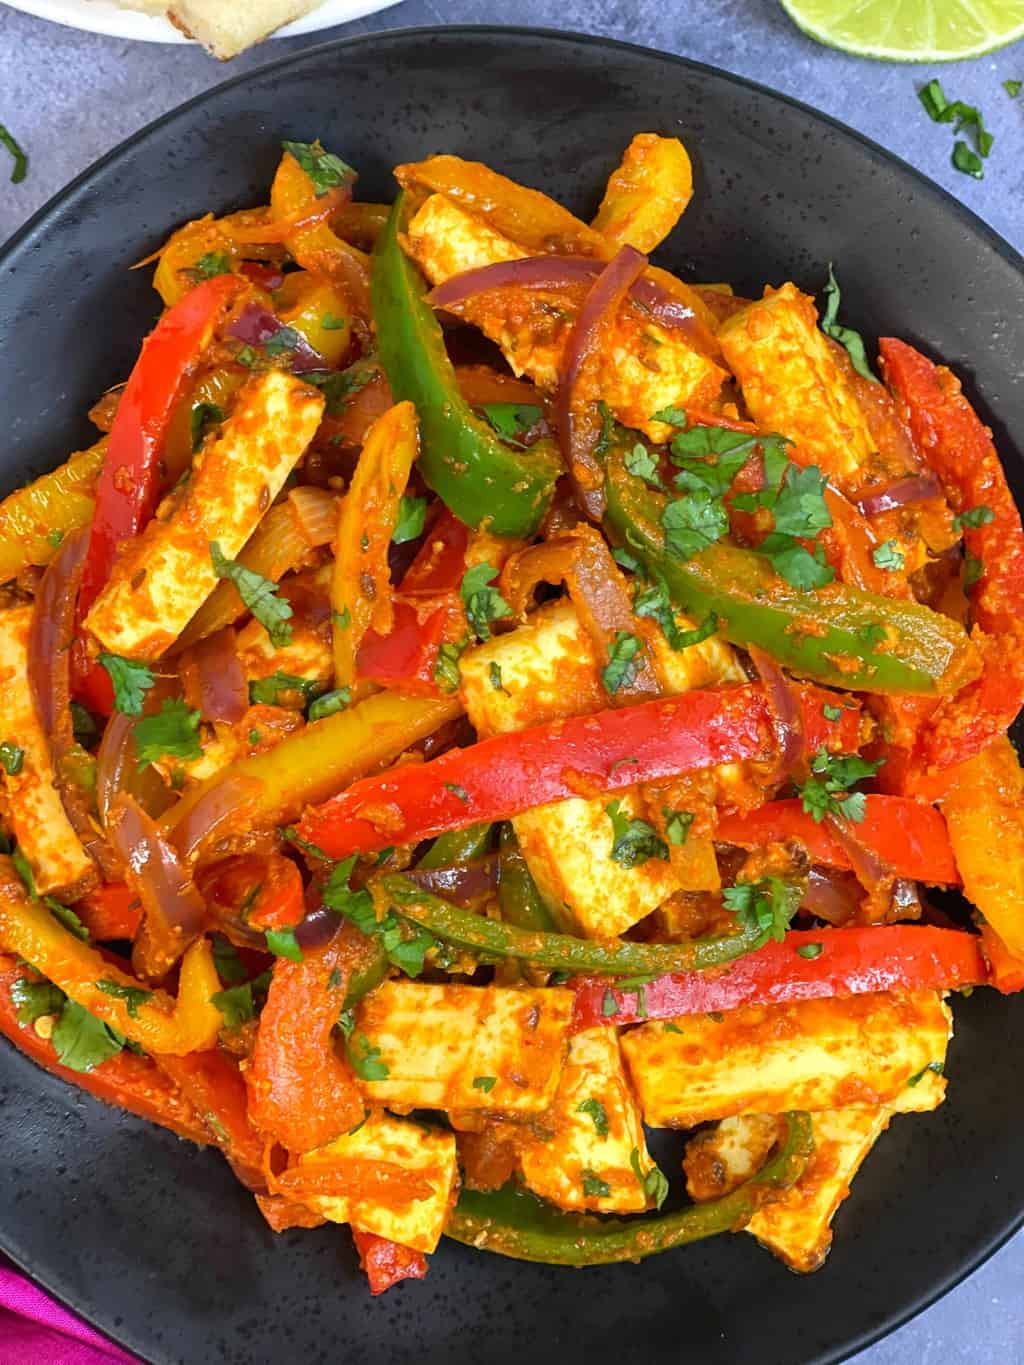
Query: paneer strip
[
  {"x": 166, "y": 574},
  {"x": 33, "y": 811},
  {"x": 427, "y": 1157},
  {"x": 861, "y": 1052},
  {"x": 792, "y": 383},
  {"x": 306, "y": 656},
  {"x": 464, "y": 1047},
  {"x": 548, "y": 669},
  {"x": 644, "y": 367},
  {"x": 646, "y": 194},
  {"x": 589, "y": 1134}
]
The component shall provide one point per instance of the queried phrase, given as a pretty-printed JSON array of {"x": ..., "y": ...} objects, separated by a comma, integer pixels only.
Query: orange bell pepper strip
[
  {"x": 361, "y": 583},
  {"x": 909, "y": 836},
  {"x": 1006, "y": 970},
  {"x": 387, "y": 1263},
  {"x": 111, "y": 911},
  {"x": 213, "y": 1084},
  {"x": 127, "y": 1080},
  {"x": 265, "y": 890},
  {"x": 129, "y": 483},
  {"x": 895, "y": 957},
  {"x": 579, "y": 756},
  {"x": 301, "y": 1092},
  {"x": 155, "y": 1020},
  {"x": 959, "y": 448}
]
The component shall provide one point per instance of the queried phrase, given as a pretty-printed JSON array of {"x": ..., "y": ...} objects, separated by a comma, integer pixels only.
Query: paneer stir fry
[{"x": 483, "y": 699}]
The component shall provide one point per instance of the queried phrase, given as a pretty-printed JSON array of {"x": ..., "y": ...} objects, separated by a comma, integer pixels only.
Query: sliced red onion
[
  {"x": 874, "y": 874},
  {"x": 461, "y": 883},
  {"x": 117, "y": 768},
  {"x": 832, "y": 895},
  {"x": 171, "y": 902},
  {"x": 233, "y": 801},
  {"x": 222, "y": 688},
  {"x": 50, "y": 635},
  {"x": 256, "y": 325},
  {"x": 318, "y": 927},
  {"x": 786, "y": 718},
  {"x": 917, "y": 488},
  {"x": 577, "y": 432}
]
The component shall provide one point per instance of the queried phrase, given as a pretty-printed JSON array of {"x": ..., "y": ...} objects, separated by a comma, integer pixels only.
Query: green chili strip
[
  {"x": 520, "y": 901},
  {"x": 512, "y": 1222},
  {"x": 457, "y": 846}
]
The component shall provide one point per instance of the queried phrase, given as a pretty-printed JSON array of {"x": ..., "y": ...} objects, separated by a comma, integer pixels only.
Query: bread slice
[{"x": 226, "y": 28}]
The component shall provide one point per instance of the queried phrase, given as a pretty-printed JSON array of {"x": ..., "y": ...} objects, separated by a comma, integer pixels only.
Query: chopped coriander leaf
[
  {"x": 63, "y": 914},
  {"x": 609, "y": 1005},
  {"x": 173, "y": 732},
  {"x": 677, "y": 825},
  {"x": 671, "y": 1028},
  {"x": 131, "y": 682},
  {"x": 338, "y": 386},
  {"x": 888, "y": 555},
  {"x": 412, "y": 513},
  {"x": 133, "y": 996},
  {"x": 799, "y": 507},
  {"x": 827, "y": 790},
  {"x": 330, "y": 703},
  {"x": 81, "y": 1041},
  {"x": 511, "y": 420},
  {"x": 652, "y": 1182},
  {"x": 967, "y": 161},
  {"x": 851, "y": 341},
  {"x": 213, "y": 263},
  {"x": 642, "y": 464},
  {"x": 405, "y": 945},
  {"x": 933, "y": 97},
  {"x": 259, "y": 594},
  {"x": 623, "y": 662},
  {"x": 710, "y": 457},
  {"x": 809, "y": 950},
  {"x": 24, "y": 870},
  {"x": 20, "y": 168},
  {"x": 330, "y": 323},
  {"x": 653, "y": 601},
  {"x": 458, "y": 791},
  {"x": 494, "y": 675},
  {"x": 485, "y": 1083},
  {"x": 203, "y": 417},
  {"x": 283, "y": 943},
  {"x": 12, "y": 758},
  {"x": 973, "y": 518},
  {"x": 483, "y": 602},
  {"x": 693, "y": 523},
  {"x": 625, "y": 560},
  {"x": 799, "y": 567},
  {"x": 293, "y": 836},
  {"x": 347, "y": 1022},
  {"x": 593, "y": 1186},
  {"x": 33, "y": 999},
  {"x": 1013, "y": 88},
  {"x": 604, "y": 439},
  {"x": 55, "y": 537},
  {"x": 230, "y": 967},
  {"x": 325, "y": 170},
  {"x": 674, "y": 417},
  {"x": 595, "y": 1110},
  {"x": 832, "y": 713},
  {"x": 446, "y": 666},
  {"x": 919, "y": 1076},
  {"x": 633, "y": 841},
  {"x": 364, "y": 1059},
  {"x": 973, "y": 570},
  {"x": 341, "y": 619},
  {"x": 767, "y": 905},
  {"x": 245, "y": 355},
  {"x": 285, "y": 339},
  {"x": 267, "y": 691},
  {"x": 238, "y": 1003}
]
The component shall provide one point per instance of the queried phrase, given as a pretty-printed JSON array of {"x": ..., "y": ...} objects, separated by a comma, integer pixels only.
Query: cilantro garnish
[
  {"x": 642, "y": 464},
  {"x": 330, "y": 323},
  {"x": 625, "y": 560},
  {"x": 238, "y": 1004},
  {"x": 677, "y": 825},
  {"x": 511, "y": 420},
  {"x": 173, "y": 731},
  {"x": 364, "y": 1059},
  {"x": 767, "y": 905},
  {"x": 259, "y": 594},
  {"x": 20, "y": 167},
  {"x": 131, "y": 682},
  {"x": 338, "y": 386},
  {"x": 324, "y": 169},
  {"x": 973, "y": 570},
  {"x": 827, "y": 790},
  {"x": 888, "y": 555},
  {"x": 693, "y": 523},
  {"x": 673, "y": 416},
  {"x": 609, "y": 1005},
  {"x": 652, "y": 1182},
  {"x": 967, "y": 161},
  {"x": 623, "y": 661},
  {"x": 230, "y": 967},
  {"x": 962, "y": 116},
  {"x": 81, "y": 1041},
  {"x": 810, "y": 951},
  {"x": 406, "y": 945},
  {"x": 633, "y": 841},
  {"x": 832, "y": 713},
  {"x": 1013, "y": 88},
  {"x": 412, "y": 513},
  {"x": 203, "y": 417},
  {"x": 285, "y": 339},
  {"x": 483, "y": 602},
  {"x": 446, "y": 666},
  {"x": 973, "y": 518},
  {"x": 851, "y": 341},
  {"x": 330, "y": 703},
  {"x": 213, "y": 263},
  {"x": 593, "y": 1186},
  {"x": 55, "y": 537},
  {"x": 267, "y": 691},
  {"x": 283, "y": 943},
  {"x": 604, "y": 438},
  {"x": 12, "y": 758},
  {"x": 919, "y": 1076},
  {"x": 595, "y": 1110},
  {"x": 133, "y": 996},
  {"x": 653, "y": 601},
  {"x": 494, "y": 674},
  {"x": 457, "y": 791},
  {"x": 485, "y": 1083},
  {"x": 33, "y": 999}
]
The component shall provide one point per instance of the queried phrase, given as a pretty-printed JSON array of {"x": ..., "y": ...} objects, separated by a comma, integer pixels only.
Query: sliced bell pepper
[
  {"x": 387, "y": 1263},
  {"x": 34, "y": 519},
  {"x": 300, "y": 1090},
  {"x": 213, "y": 1083},
  {"x": 892, "y": 957},
  {"x": 264, "y": 890},
  {"x": 520, "y": 902},
  {"x": 580, "y": 756},
  {"x": 111, "y": 911},
  {"x": 512, "y": 1222},
  {"x": 910, "y": 837},
  {"x": 1006, "y": 969},
  {"x": 836, "y": 634},
  {"x": 151, "y": 1018},
  {"x": 960, "y": 450},
  {"x": 460, "y": 846},
  {"x": 127, "y": 1080},
  {"x": 482, "y": 480}
]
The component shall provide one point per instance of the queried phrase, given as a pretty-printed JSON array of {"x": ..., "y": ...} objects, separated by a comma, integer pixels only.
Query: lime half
[{"x": 910, "y": 30}]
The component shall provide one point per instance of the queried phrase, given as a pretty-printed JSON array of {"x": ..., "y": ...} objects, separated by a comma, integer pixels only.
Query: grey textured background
[{"x": 70, "y": 96}]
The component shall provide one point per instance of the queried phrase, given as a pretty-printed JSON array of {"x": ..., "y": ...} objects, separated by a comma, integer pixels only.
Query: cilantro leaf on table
[
  {"x": 259, "y": 594},
  {"x": 173, "y": 732}
]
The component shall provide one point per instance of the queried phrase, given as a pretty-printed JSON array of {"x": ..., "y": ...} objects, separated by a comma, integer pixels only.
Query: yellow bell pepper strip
[
  {"x": 482, "y": 480},
  {"x": 271, "y": 788},
  {"x": 837, "y": 634},
  {"x": 646, "y": 193},
  {"x": 152, "y": 1018},
  {"x": 511, "y": 1222},
  {"x": 35, "y": 519},
  {"x": 361, "y": 582}
]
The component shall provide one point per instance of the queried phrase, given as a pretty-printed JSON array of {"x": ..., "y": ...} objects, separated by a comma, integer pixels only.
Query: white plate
[{"x": 100, "y": 16}]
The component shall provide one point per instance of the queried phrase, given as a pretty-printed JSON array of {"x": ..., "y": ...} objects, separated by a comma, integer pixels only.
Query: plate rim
[{"x": 22, "y": 237}]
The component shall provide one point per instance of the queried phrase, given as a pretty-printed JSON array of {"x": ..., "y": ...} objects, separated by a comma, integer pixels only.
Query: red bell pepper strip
[
  {"x": 908, "y": 836},
  {"x": 264, "y": 890},
  {"x": 580, "y": 756},
  {"x": 859, "y": 961},
  {"x": 111, "y": 911},
  {"x": 1007, "y": 970},
  {"x": 212, "y": 1082},
  {"x": 129, "y": 481},
  {"x": 959, "y": 448},
  {"x": 386, "y": 1263},
  {"x": 127, "y": 1080}
]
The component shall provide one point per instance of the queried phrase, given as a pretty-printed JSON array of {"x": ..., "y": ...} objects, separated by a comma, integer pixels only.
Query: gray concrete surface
[{"x": 71, "y": 96}]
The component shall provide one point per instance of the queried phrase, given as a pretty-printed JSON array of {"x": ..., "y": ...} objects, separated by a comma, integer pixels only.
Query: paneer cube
[
  {"x": 33, "y": 810},
  {"x": 430, "y": 1156},
  {"x": 590, "y": 1133},
  {"x": 867, "y": 1051},
  {"x": 645, "y": 368},
  {"x": 465, "y": 1047},
  {"x": 165, "y": 576}
]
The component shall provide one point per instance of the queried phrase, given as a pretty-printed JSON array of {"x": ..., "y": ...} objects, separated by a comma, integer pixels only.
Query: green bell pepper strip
[
  {"x": 520, "y": 902},
  {"x": 482, "y": 480},
  {"x": 512, "y": 1222},
  {"x": 561, "y": 952},
  {"x": 368, "y": 977},
  {"x": 457, "y": 846},
  {"x": 837, "y": 634}
]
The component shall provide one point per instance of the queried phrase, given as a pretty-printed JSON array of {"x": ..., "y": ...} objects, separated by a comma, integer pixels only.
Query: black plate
[{"x": 157, "y": 1244}]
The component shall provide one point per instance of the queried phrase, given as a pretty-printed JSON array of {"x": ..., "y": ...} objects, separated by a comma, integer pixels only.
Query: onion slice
[
  {"x": 872, "y": 871},
  {"x": 462, "y": 883},
  {"x": 256, "y": 325},
  {"x": 213, "y": 670},
  {"x": 916, "y": 488},
  {"x": 315, "y": 511},
  {"x": 786, "y": 719},
  {"x": 832, "y": 895}
]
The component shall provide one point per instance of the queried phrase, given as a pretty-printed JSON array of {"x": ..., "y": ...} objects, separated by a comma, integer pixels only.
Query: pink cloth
[{"x": 36, "y": 1330}]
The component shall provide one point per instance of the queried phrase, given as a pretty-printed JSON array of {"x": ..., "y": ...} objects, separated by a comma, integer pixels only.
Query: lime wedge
[{"x": 910, "y": 30}]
